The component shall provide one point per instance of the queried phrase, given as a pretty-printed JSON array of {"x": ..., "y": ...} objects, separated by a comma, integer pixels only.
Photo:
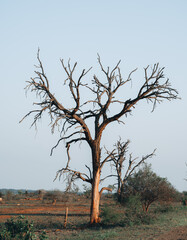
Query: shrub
[
  {"x": 134, "y": 214},
  {"x": 110, "y": 216},
  {"x": 149, "y": 187},
  {"x": 54, "y": 195},
  {"x": 133, "y": 203},
  {"x": 43, "y": 236},
  {"x": 184, "y": 198},
  {"x": 4, "y": 235},
  {"x": 19, "y": 228},
  {"x": 164, "y": 208}
]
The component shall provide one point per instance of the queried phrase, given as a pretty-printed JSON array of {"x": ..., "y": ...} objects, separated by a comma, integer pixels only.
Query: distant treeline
[{"x": 16, "y": 191}]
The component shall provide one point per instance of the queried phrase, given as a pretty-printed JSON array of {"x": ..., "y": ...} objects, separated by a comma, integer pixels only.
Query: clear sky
[{"x": 137, "y": 32}]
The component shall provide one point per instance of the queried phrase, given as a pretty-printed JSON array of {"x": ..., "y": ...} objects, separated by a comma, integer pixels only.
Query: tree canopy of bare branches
[{"x": 73, "y": 120}]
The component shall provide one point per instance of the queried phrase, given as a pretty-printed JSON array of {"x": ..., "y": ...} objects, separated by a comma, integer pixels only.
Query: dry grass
[{"x": 51, "y": 218}]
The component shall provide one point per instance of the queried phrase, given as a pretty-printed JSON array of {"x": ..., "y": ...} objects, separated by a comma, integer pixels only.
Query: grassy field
[{"x": 50, "y": 218}]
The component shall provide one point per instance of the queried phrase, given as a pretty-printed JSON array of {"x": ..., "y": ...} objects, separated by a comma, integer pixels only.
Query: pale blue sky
[{"x": 137, "y": 32}]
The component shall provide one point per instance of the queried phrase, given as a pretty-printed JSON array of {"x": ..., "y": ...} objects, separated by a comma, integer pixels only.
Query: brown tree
[{"x": 154, "y": 88}]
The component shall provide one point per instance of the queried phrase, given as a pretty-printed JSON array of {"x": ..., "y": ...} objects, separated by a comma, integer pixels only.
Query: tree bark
[
  {"x": 119, "y": 190},
  {"x": 94, "y": 213},
  {"x": 94, "y": 216},
  {"x": 120, "y": 193}
]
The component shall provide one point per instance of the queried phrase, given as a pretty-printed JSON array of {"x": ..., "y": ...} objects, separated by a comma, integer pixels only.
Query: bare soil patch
[{"x": 177, "y": 233}]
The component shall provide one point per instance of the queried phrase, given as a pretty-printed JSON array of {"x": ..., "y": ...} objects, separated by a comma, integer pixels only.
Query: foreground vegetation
[
  {"x": 19, "y": 228},
  {"x": 45, "y": 220},
  {"x": 148, "y": 207}
]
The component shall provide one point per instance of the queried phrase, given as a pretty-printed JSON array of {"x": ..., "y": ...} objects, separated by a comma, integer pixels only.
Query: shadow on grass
[{"x": 46, "y": 214}]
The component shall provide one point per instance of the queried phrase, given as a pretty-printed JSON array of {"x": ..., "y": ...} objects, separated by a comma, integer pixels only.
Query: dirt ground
[
  {"x": 178, "y": 233},
  {"x": 51, "y": 217}
]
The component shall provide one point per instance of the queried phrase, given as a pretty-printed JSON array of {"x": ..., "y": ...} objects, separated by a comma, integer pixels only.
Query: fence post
[{"x": 66, "y": 217}]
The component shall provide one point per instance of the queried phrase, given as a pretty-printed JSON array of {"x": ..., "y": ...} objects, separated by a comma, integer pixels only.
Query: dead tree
[
  {"x": 154, "y": 89},
  {"x": 124, "y": 165}
]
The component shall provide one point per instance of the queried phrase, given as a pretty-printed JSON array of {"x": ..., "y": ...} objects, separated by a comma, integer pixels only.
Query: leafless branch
[
  {"x": 96, "y": 109},
  {"x": 72, "y": 175},
  {"x": 118, "y": 157},
  {"x": 108, "y": 176},
  {"x": 131, "y": 168},
  {"x": 104, "y": 188},
  {"x": 65, "y": 138},
  {"x": 105, "y": 160},
  {"x": 89, "y": 171}
]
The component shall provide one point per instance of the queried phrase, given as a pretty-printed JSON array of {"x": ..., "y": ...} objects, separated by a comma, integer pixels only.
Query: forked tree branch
[
  {"x": 74, "y": 175},
  {"x": 104, "y": 188},
  {"x": 155, "y": 88},
  {"x": 118, "y": 158}
]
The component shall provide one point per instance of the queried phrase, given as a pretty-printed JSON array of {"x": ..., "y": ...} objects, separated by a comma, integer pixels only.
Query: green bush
[
  {"x": 184, "y": 198},
  {"x": 184, "y": 202},
  {"x": 19, "y": 228},
  {"x": 4, "y": 235},
  {"x": 132, "y": 219},
  {"x": 164, "y": 208},
  {"x": 110, "y": 216},
  {"x": 43, "y": 236},
  {"x": 150, "y": 187},
  {"x": 133, "y": 203},
  {"x": 134, "y": 215}
]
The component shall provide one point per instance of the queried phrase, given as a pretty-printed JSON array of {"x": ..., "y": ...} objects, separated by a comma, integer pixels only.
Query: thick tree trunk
[
  {"x": 94, "y": 211},
  {"x": 94, "y": 217}
]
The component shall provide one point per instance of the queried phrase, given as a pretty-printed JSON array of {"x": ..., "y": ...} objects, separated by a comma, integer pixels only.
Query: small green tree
[{"x": 149, "y": 186}]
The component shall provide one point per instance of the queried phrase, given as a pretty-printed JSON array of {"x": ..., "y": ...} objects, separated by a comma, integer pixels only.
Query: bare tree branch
[
  {"x": 118, "y": 157},
  {"x": 74, "y": 175},
  {"x": 104, "y": 188},
  {"x": 73, "y": 122}
]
